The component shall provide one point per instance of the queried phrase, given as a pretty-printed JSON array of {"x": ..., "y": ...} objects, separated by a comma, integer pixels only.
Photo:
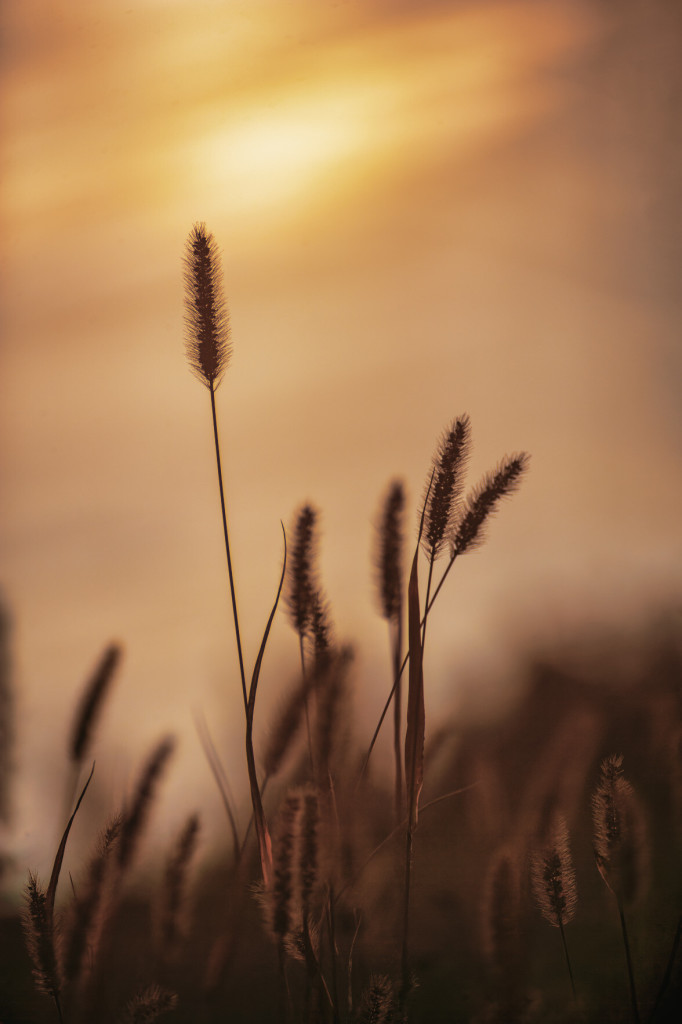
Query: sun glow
[{"x": 275, "y": 154}]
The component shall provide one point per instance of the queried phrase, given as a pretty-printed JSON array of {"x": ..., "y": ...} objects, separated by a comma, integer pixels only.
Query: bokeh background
[{"x": 424, "y": 208}]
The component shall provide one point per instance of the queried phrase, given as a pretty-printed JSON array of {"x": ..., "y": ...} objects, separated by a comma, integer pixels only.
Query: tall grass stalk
[
  {"x": 620, "y": 849},
  {"x": 209, "y": 349}
]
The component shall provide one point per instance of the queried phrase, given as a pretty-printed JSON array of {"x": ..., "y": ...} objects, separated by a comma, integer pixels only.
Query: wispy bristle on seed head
[
  {"x": 467, "y": 532},
  {"x": 321, "y": 631},
  {"x": 620, "y": 841},
  {"x": 282, "y": 895},
  {"x": 39, "y": 932},
  {"x": 378, "y": 1004},
  {"x": 91, "y": 702},
  {"x": 553, "y": 877},
  {"x": 301, "y": 581},
  {"x": 80, "y": 935},
  {"x": 308, "y": 852},
  {"x": 446, "y": 481},
  {"x": 207, "y": 320},
  {"x": 149, "y": 1005},
  {"x": 389, "y": 552}
]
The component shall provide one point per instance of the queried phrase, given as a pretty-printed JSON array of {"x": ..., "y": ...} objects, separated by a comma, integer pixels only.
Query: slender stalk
[
  {"x": 396, "y": 646},
  {"x": 628, "y": 957},
  {"x": 399, "y": 672},
  {"x": 568, "y": 960},
  {"x": 227, "y": 546},
  {"x": 405, "y": 958}
]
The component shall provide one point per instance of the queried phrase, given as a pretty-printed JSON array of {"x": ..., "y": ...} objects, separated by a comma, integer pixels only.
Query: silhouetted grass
[{"x": 350, "y": 898}]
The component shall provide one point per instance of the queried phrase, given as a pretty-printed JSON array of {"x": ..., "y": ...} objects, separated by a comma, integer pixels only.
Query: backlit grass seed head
[
  {"x": 308, "y": 852},
  {"x": 467, "y": 532},
  {"x": 389, "y": 552},
  {"x": 92, "y": 701},
  {"x": 446, "y": 482},
  {"x": 207, "y": 320},
  {"x": 553, "y": 877},
  {"x": 301, "y": 581},
  {"x": 378, "y": 1004},
  {"x": 282, "y": 909},
  {"x": 39, "y": 933},
  {"x": 620, "y": 842},
  {"x": 82, "y": 921},
  {"x": 149, "y": 1005}
]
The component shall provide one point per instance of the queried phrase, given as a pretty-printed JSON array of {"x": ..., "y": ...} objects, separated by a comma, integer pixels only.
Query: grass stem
[
  {"x": 227, "y": 547},
  {"x": 628, "y": 957}
]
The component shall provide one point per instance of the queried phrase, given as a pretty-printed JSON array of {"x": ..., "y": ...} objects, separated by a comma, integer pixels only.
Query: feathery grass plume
[
  {"x": 620, "y": 845},
  {"x": 388, "y": 556},
  {"x": 207, "y": 320},
  {"x": 389, "y": 580},
  {"x": 301, "y": 582},
  {"x": 321, "y": 630},
  {"x": 82, "y": 922},
  {"x": 91, "y": 702},
  {"x": 135, "y": 818},
  {"x": 467, "y": 532},
  {"x": 378, "y": 1003},
  {"x": 553, "y": 877},
  {"x": 553, "y": 883},
  {"x": 38, "y": 924},
  {"x": 281, "y": 902},
  {"x": 620, "y": 848},
  {"x": 444, "y": 485},
  {"x": 149, "y": 1005},
  {"x": 6, "y": 716},
  {"x": 172, "y": 926},
  {"x": 309, "y": 851}
]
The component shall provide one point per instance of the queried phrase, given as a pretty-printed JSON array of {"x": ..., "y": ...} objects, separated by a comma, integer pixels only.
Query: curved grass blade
[
  {"x": 262, "y": 832},
  {"x": 57, "y": 866}
]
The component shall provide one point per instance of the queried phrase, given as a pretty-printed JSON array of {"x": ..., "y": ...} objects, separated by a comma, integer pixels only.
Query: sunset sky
[{"x": 424, "y": 208}]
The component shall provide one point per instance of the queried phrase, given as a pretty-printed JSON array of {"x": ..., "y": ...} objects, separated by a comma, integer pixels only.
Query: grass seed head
[
  {"x": 553, "y": 877},
  {"x": 39, "y": 933},
  {"x": 91, "y": 702},
  {"x": 389, "y": 552},
  {"x": 467, "y": 532},
  {"x": 149, "y": 1005},
  {"x": 446, "y": 481},
  {"x": 207, "y": 321},
  {"x": 301, "y": 582},
  {"x": 620, "y": 842}
]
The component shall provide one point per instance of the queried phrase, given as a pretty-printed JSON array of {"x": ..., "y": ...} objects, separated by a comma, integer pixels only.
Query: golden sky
[{"x": 424, "y": 209}]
